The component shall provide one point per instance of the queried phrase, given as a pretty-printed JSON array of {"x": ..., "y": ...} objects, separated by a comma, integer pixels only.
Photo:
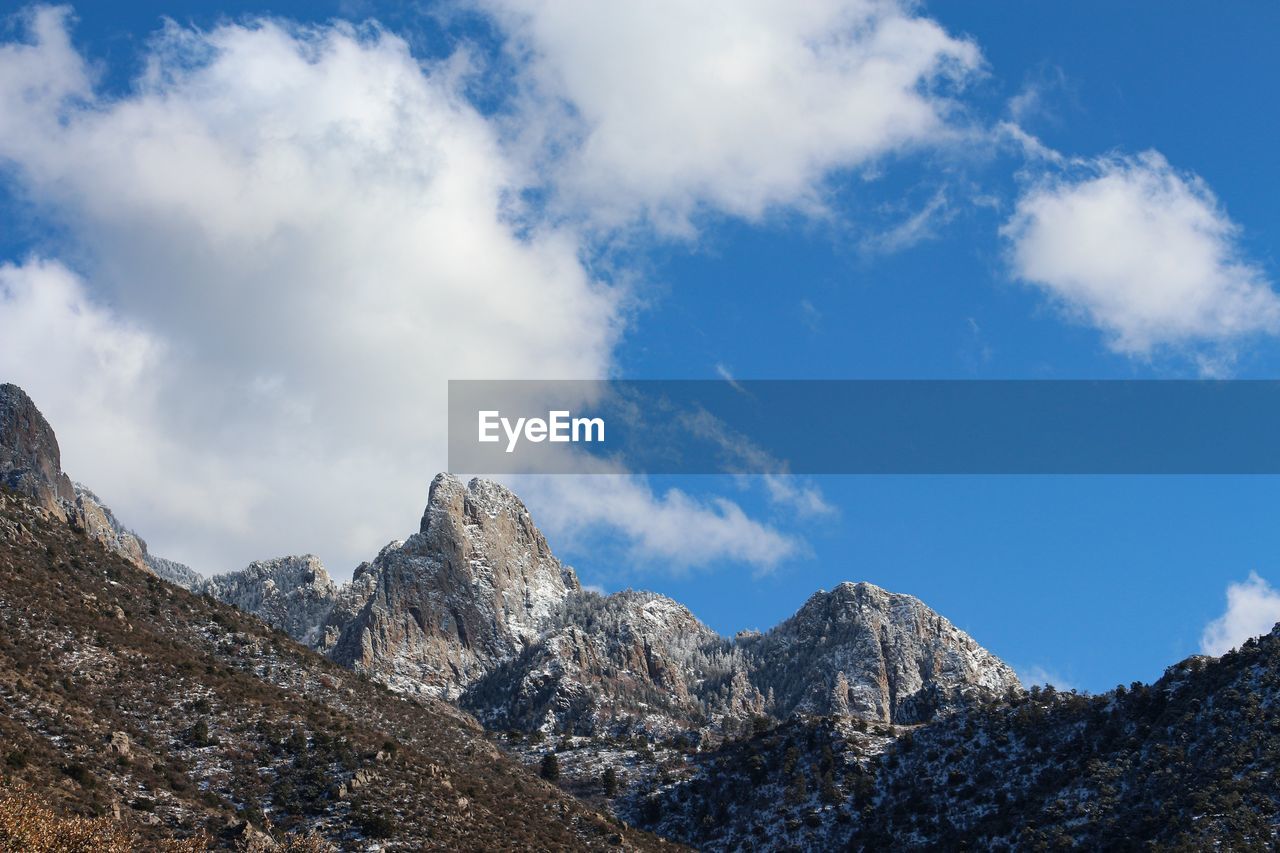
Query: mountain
[
  {"x": 628, "y": 658},
  {"x": 1186, "y": 763},
  {"x": 475, "y": 612},
  {"x": 862, "y": 651},
  {"x": 293, "y": 594},
  {"x": 472, "y": 588},
  {"x": 31, "y": 465},
  {"x": 475, "y": 608},
  {"x": 156, "y": 714},
  {"x": 135, "y": 710}
]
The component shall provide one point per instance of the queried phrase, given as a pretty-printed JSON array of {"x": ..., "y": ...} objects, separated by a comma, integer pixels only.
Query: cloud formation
[
  {"x": 287, "y": 239},
  {"x": 1036, "y": 675},
  {"x": 673, "y": 529},
  {"x": 660, "y": 110},
  {"x": 1253, "y": 609},
  {"x": 1141, "y": 251}
]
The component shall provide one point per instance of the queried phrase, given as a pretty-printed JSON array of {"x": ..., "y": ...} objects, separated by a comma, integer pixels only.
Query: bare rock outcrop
[
  {"x": 294, "y": 594},
  {"x": 31, "y": 465},
  {"x": 475, "y": 586},
  {"x": 30, "y": 461},
  {"x": 864, "y": 651}
]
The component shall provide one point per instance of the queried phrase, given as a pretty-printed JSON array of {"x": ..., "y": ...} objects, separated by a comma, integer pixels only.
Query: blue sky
[{"x": 237, "y": 282}]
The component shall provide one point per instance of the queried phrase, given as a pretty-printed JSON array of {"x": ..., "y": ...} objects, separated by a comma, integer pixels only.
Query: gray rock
[
  {"x": 473, "y": 588},
  {"x": 31, "y": 465},
  {"x": 882, "y": 656},
  {"x": 30, "y": 461},
  {"x": 293, "y": 594},
  {"x": 121, "y": 745}
]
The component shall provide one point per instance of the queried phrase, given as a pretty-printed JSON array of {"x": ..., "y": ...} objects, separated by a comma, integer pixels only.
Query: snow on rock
[{"x": 294, "y": 594}]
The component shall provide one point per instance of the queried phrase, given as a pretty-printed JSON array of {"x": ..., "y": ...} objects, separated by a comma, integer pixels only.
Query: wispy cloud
[
  {"x": 726, "y": 374},
  {"x": 810, "y": 315},
  {"x": 672, "y": 529},
  {"x": 916, "y": 228}
]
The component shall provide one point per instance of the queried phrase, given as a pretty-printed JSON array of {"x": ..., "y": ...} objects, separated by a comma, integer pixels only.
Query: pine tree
[
  {"x": 550, "y": 767},
  {"x": 609, "y": 780}
]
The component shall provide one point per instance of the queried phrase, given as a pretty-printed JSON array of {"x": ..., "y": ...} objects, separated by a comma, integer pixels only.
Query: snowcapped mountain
[
  {"x": 865, "y": 721},
  {"x": 475, "y": 608},
  {"x": 862, "y": 651}
]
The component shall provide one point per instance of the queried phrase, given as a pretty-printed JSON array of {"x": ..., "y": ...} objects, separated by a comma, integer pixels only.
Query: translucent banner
[{"x": 864, "y": 427}]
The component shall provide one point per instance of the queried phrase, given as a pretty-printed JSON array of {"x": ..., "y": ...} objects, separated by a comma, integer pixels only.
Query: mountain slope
[
  {"x": 1186, "y": 763},
  {"x": 31, "y": 465},
  {"x": 122, "y": 693}
]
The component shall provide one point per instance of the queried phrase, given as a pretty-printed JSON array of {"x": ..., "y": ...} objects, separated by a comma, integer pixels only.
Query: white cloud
[
  {"x": 288, "y": 239},
  {"x": 916, "y": 228},
  {"x": 673, "y": 529},
  {"x": 662, "y": 109},
  {"x": 1143, "y": 252},
  {"x": 1034, "y": 675},
  {"x": 1253, "y": 609},
  {"x": 723, "y": 371},
  {"x": 798, "y": 493}
]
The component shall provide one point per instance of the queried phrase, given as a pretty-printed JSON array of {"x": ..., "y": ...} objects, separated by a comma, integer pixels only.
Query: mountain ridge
[{"x": 476, "y": 608}]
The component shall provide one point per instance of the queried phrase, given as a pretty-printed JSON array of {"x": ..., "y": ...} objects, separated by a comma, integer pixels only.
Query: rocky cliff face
[
  {"x": 873, "y": 654},
  {"x": 475, "y": 608},
  {"x": 31, "y": 465},
  {"x": 293, "y": 594},
  {"x": 470, "y": 590},
  {"x": 30, "y": 462}
]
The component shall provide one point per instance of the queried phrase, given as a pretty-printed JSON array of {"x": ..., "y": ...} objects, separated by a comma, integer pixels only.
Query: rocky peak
[
  {"x": 293, "y": 594},
  {"x": 489, "y": 518},
  {"x": 864, "y": 651},
  {"x": 471, "y": 589},
  {"x": 31, "y": 465},
  {"x": 30, "y": 461}
]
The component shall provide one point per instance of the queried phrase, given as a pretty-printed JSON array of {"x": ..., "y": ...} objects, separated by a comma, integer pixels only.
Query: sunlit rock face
[{"x": 473, "y": 588}]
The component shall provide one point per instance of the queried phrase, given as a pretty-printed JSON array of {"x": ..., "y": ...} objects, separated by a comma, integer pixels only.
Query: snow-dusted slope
[
  {"x": 633, "y": 655},
  {"x": 294, "y": 594},
  {"x": 882, "y": 656}
]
